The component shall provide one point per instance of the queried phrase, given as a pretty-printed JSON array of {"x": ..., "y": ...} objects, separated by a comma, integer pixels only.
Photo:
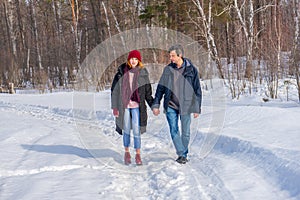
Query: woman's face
[{"x": 134, "y": 62}]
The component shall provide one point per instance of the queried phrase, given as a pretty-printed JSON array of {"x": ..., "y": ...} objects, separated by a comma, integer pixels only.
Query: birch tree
[
  {"x": 60, "y": 40},
  {"x": 107, "y": 19},
  {"x": 11, "y": 19},
  {"x": 210, "y": 41},
  {"x": 57, "y": 9},
  {"x": 295, "y": 57},
  {"x": 278, "y": 33},
  {"x": 245, "y": 15},
  {"x": 11, "y": 27}
]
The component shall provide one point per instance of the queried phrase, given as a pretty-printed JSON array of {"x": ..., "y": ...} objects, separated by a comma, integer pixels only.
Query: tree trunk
[
  {"x": 210, "y": 41},
  {"x": 248, "y": 31},
  {"x": 119, "y": 29},
  {"x": 36, "y": 34},
  {"x": 77, "y": 33},
  {"x": 96, "y": 25},
  {"x": 11, "y": 28},
  {"x": 296, "y": 45}
]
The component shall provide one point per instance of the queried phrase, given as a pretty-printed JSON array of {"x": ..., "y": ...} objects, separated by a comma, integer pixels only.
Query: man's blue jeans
[
  {"x": 180, "y": 141},
  {"x": 132, "y": 121}
]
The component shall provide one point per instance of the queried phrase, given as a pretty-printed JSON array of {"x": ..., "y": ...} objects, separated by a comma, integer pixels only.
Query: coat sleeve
[
  {"x": 115, "y": 91},
  {"x": 160, "y": 90},
  {"x": 197, "y": 90},
  {"x": 148, "y": 90}
]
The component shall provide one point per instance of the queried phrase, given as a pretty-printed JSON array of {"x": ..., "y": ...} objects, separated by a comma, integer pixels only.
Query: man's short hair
[{"x": 177, "y": 48}]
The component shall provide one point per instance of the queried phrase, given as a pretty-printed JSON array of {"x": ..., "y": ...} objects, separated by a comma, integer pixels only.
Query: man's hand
[
  {"x": 196, "y": 115},
  {"x": 155, "y": 111}
]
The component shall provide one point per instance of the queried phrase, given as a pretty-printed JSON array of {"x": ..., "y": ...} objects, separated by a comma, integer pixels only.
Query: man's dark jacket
[{"x": 191, "y": 94}]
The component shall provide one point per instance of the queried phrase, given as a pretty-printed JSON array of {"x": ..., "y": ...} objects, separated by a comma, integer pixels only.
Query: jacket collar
[{"x": 187, "y": 64}]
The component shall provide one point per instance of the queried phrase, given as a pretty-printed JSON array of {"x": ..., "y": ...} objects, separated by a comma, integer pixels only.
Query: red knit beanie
[{"x": 135, "y": 54}]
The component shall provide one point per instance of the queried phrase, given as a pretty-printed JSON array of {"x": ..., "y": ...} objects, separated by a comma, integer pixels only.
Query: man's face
[{"x": 174, "y": 57}]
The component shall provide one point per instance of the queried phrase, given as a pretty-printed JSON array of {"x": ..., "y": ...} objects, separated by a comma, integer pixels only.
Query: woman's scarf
[{"x": 127, "y": 93}]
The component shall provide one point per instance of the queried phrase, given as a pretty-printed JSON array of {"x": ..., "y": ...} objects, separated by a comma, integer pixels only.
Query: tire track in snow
[
  {"x": 285, "y": 172},
  {"x": 208, "y": 181},
  {"x": 277, "y": 167},
  {"x": 26, "y": 172}
]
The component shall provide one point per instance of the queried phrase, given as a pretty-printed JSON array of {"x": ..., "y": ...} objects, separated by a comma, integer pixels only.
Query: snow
[{"x": 63, "y": 146}]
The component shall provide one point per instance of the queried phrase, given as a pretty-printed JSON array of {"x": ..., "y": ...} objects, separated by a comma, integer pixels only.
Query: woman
[{"x": 130, "y": 89}]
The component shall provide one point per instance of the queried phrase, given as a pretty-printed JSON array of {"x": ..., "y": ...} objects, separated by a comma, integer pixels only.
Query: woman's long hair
[{"x": 140, "y": 64}]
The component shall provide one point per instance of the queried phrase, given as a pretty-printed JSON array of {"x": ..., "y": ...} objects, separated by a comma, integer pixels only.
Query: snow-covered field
[{"x": 63, "y": 146}]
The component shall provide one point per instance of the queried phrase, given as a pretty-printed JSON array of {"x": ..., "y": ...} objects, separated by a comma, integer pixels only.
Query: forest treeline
[{"x": 44, "y": 42}]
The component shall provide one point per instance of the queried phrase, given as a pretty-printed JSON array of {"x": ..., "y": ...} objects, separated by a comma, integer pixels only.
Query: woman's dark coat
[{"x": 144, "y": 91}]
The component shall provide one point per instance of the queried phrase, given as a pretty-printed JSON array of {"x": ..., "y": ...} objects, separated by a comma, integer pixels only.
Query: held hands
[
  {"x": 156, "y": 111},
  {"x": 115, "y": 112}
]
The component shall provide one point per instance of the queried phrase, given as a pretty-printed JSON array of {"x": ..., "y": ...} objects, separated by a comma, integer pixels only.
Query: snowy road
[{"x": 49, "y": 154}]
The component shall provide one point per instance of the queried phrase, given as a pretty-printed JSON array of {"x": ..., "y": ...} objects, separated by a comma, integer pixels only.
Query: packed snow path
[{"x": 49, "y": 153}]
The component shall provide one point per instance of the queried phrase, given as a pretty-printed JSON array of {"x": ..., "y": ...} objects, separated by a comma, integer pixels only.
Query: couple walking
[{"x": 179, "y": 85}]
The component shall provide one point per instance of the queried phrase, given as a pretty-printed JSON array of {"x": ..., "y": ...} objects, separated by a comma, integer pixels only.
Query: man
[{"x": 180, "y": 87}]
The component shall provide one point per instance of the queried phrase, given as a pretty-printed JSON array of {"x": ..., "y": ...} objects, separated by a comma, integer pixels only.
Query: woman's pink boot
[
  {"x": 138, "y": 159},
  {"x": 127, "y": 158}
]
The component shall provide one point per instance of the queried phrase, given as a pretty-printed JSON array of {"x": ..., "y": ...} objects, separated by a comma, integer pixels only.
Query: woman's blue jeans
[
  {"x": 180, "y": 141},
  {"x": 132, "y": 121}
]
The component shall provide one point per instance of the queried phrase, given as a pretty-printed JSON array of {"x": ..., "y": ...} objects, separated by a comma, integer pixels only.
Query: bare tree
[
  {"x": 52, "y": 38},
  {"x": 76, "y": 30},
  {"x": 12, "y": 40},
  {"x": 295, "y": 58},
  {"x": 210, "y": 41},
  {"x": 11, "y": 26},
  {"x": 33, "y": 4},
  {"x": 96, "y": 15},
  {"x": 246, "y": 15}
]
